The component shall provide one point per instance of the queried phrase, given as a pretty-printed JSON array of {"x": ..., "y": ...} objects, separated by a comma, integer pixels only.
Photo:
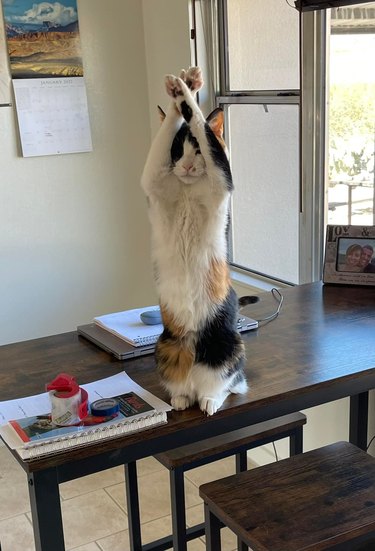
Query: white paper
[
  {"x": 104, "y": 388},
  {"x": 127, "y": 325},
  {"x": 52, "y": 115},
  {"x": 24, "y": 407}
]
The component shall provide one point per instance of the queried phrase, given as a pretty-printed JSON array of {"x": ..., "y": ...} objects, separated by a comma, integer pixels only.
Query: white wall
[
  {"x": 74, "y": 233},
  {"x": 167, "y": 41}
]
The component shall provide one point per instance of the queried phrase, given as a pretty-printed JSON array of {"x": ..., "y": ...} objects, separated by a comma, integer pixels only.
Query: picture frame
[{"x": 349, "y": 255}]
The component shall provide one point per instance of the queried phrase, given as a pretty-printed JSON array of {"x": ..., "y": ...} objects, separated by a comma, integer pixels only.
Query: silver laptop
[{"x": 125, "y": 351}]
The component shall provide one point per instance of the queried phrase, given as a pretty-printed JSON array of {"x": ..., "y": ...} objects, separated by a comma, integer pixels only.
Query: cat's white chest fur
[{"x": 188, "y": 232}]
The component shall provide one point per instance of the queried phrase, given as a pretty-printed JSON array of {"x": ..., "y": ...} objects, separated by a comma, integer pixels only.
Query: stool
[
  {"x": 323, "y": 499},
  {"x": 185, "y": 458}
]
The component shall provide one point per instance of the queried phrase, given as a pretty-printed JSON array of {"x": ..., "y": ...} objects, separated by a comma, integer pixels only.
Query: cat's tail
[{"x": 247, "y": 299}]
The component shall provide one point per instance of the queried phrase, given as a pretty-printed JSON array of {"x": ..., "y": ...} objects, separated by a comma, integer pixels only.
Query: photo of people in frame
[{"x": 356, "y": 255}]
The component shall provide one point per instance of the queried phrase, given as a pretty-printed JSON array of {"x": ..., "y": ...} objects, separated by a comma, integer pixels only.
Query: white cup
[{"x": 65, "y": 410}]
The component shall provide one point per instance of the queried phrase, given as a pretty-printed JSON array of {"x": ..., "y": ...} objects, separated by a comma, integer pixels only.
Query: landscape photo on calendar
[{"x": 43, "y": 38}]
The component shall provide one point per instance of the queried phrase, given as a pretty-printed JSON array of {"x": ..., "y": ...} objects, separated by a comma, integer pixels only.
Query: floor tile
[
  {"x": 13, "y": 485},
  {"x": 154, "y": 495},
  {"x": 148, "y": 465},
  {"x": 97, "y": 481},
  {"x": 212, "y": 471},
  {"x": 195, "y": 515},
  {"x": 16, "y": 533},
  {"x": 151, "y": 531},
  {"x": 88, "y": 547},
  {"x": 90, "y": 517},
  {"x": 109, "y": 477},
  {"x": 197, "y": 545}
]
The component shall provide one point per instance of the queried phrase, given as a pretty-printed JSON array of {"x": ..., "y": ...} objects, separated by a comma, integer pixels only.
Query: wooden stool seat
[
  {"x": 323, "y": 499},
  {"x": 232, "y": 442},
  {"x": 180, "y": 460}
]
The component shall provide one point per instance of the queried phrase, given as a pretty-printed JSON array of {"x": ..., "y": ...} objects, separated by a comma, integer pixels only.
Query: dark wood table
[{"x": 321, "y": 348}]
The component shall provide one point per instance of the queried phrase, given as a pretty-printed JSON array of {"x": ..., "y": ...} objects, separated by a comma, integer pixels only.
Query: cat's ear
[
  {"x": 216, "y": 122},
  {"x": 162, "y": 115}
]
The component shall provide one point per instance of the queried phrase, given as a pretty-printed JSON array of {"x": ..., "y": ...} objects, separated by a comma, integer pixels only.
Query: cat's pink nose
[{"x": 188, "y": 167}]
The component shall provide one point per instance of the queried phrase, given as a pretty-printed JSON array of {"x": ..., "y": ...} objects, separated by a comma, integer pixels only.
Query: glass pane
[
  {"x": 264, "y": 156},
  {"x": 263, "y": 41},
  {"x": 351, "y": 122}
]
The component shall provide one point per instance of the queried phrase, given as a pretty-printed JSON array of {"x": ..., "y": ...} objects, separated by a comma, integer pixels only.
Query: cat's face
[{"x": 188, "y": 163}]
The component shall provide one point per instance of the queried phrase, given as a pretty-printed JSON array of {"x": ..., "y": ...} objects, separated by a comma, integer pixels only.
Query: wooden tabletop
[{"x": 320, "y": 348}]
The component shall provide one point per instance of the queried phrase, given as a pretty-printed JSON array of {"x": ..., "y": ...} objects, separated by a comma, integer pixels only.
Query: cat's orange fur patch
[
  {"x": 175, "y": 358},
  {"x": 170, "y": 323},
  {"x": 218, "y": 280}
]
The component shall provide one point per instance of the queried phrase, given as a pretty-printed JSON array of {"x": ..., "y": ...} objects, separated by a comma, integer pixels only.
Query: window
[
  {"x": 295, "y": 169},
  {"x": 351, "y": 116},
  {"x": 260, "y": 96}
]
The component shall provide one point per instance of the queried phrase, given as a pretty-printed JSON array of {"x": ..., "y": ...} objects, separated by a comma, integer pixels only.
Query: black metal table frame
[{"x": 44, "y": 484}]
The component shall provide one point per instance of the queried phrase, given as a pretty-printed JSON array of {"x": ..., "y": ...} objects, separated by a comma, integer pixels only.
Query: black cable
[
  {"x": 279, "y": 297},
  {"x": 371, "y": 441},
  {"x": 274, "y": 449}
]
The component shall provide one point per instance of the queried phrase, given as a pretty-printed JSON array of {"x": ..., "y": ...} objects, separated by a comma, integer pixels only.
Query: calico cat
[{"x": 187, "y": 180}]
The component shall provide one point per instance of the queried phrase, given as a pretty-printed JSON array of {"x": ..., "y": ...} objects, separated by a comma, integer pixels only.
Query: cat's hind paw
[
  {"x": 193, "y": 78},
  {"x": 180, "y": 402}
]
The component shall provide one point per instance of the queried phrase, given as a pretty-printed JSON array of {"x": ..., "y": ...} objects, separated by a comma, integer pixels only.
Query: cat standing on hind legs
[{"x": 187, "y": 180}]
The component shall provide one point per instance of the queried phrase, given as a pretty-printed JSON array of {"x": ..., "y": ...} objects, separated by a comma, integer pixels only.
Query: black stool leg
[
  {"x": 176, "y": 477},
  {"x": 213, "y": 525},
  {"x": 241, "y": 462},
  {"x": 296, "y": 442},
  {"x": 241, "y": 466},
  {"x": 132, "y": 500}
]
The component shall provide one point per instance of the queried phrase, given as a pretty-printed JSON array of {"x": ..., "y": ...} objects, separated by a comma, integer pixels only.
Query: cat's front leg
[
  {"x": 210, "y": 405},
  {"x": 193, "y": 78},
  {"x": 185, "y": 101},
  {"x": 181, "y": 402},
  {"x": 207, "y": 133},
  {"x": 159, "y": 159}
]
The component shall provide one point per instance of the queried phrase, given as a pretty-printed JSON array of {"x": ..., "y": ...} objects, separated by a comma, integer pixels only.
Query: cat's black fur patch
[
  {"x": 186, "y": 111},
  {"x": 219, "y": 156},
  {"x": 177, "y": 149},
  {"x": 218, "y": 341}
]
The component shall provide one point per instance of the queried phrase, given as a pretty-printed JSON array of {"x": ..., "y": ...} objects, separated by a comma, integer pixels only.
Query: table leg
[
  {"x": 132, "y": 499},
  {"x": 46, "y": 510},
  {"x": 359, "y": 420},
  {"x": 213, "y": 525}
]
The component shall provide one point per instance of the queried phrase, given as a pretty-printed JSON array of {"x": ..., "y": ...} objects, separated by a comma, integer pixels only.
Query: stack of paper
[{"x": 128, "y": 326}]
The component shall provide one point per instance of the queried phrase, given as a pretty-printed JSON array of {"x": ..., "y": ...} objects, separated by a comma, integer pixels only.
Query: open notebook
[{"x": 107, "y": 334}]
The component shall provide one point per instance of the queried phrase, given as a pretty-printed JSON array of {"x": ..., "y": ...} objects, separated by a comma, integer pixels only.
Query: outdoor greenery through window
[{"x": 351, "y": 116}]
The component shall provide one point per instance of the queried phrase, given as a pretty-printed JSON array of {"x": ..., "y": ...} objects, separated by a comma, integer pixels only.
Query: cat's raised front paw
[
  {"x": 173, "y": 86},
  {"x": 193, "y": 78},
  {"x": 180, "y": 402}
]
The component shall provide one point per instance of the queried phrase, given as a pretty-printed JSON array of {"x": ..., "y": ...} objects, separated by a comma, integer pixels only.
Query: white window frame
[{"x": 312, "y": 100}]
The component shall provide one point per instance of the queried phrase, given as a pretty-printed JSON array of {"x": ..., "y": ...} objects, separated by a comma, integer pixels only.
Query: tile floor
[{"x": 94, "y": 508}]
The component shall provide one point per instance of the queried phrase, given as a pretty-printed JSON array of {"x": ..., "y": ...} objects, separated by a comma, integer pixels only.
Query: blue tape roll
[{"x": 105, "y": 406}]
